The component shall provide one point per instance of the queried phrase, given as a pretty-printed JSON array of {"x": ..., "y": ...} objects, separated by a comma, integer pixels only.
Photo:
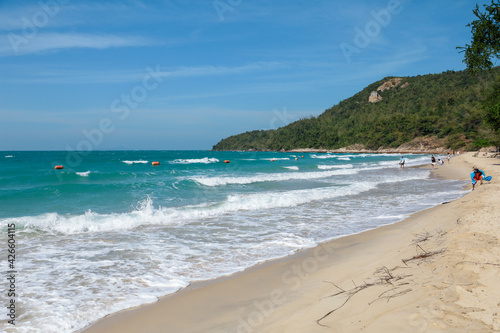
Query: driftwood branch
[
  {"x": 422, "y": 256},
  {"x": 384, "y": 277},
  {"x": 388, "y": 297},
  {"x": 478, "y": 263}
]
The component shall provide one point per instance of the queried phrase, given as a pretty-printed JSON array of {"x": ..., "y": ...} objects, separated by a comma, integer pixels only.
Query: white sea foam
[
  {"x": 276, "y": 159},
  {"x": 83, "y": 174},
  {"x": 8, "y": 156},
  {"x": 204, "y": 160},
  {"x": 147, "y": 214},
  {"x": 135, "y": 162},
  {"x": 344, "y": 158},
  {"x": 335, "y": 166},
  {"x": 324, "y": 156},
  {"x": 290, "y": 198},
  {"x": 294, "y": 167},
  {"x": 271, "y": 177},
  {"x": 391, "y": 217}
]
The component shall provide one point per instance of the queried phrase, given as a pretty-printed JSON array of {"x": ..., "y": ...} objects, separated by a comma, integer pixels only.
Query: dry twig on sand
[
  {"x": 423, "y": 256},
  {"x": 384, "y": 277},
  {"x": 421, "y": 237},
  {"x": 478, "y": 263}
]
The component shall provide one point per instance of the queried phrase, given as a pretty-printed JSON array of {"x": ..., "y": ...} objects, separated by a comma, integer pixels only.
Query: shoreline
[
  {"x": 351, "y": 151},
  {"x": 290, "y": 294},
  {"x": 416, "y": 151}
]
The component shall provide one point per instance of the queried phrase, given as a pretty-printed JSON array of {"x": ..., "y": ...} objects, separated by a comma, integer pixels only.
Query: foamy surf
[
  {"x": 271, "y": 177},
  {"x": 324, "y": 156},
  {"x": 204, "y": 160},
  {"x": 147, "y": 214},
  {"x": 336, "y": 166},
  {"x": 135, "y": 162},
  {"x": 276, "y": 159}
]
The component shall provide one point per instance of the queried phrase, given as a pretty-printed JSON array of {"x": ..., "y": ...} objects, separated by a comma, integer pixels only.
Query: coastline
[
  {"x": 432, "y": 271},
  {"x": 406, "y": 150},
  {"x": 416, "y": 151}
]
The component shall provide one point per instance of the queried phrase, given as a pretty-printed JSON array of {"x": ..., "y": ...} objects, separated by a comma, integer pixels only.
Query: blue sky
[{"x": 178, "y": 74}]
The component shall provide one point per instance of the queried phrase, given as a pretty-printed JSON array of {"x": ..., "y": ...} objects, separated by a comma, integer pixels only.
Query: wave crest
[
  {"x": 204, "y": 160},
  {"x": 271, "y": 177}
]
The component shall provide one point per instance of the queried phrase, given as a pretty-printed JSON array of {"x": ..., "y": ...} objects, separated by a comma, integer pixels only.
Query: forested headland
[{"x": 389, "y": 113}]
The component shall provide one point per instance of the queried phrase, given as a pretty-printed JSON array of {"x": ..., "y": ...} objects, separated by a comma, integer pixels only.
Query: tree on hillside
[
  {"x": 485, "y": 44},
  {"x": 484, "y": 48},
  {"x": 491, "y": 107}
]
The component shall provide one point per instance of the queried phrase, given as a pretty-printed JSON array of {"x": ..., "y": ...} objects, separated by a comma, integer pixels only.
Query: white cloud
[
  {"x": 19, "y": 44},
  {"x": 221, "y": 70},
  {"x": 56, "y": 75}
]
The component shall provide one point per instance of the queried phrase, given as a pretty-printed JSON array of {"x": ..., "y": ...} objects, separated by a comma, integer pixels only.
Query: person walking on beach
[
  {"x": 433, "y": 161},
  {"x": 477, "y": 175},
  {"x": 402, "y": 162}
]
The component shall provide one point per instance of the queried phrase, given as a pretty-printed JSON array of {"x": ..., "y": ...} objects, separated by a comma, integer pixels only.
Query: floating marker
[
  {"x": 227, "y": 161},
  {"x": 58, "y": 167},
  {"x": 155, "y": 163}
]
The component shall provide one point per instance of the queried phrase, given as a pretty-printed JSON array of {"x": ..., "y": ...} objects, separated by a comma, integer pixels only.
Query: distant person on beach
[
  {"x": 433, "y": 161},
  {"x": 477, "y": 175},
  {"x": 402, "y": 162},
  {"x": 448, "y": 157},
  {"x": 440, "y": 162}
]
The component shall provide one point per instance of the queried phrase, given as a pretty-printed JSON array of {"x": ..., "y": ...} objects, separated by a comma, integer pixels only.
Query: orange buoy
[
  {"x": 58, "y": 167},
  {"x": 272, "y": 160},
  {"x": 227, "y": 161},
  {"x": 155, "y": 163}
]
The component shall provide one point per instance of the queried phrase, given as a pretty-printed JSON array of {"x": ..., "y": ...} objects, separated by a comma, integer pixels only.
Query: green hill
[{"x": 445, "y": 105}]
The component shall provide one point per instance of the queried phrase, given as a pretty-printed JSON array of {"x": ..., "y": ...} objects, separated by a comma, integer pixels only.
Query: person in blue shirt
[
  {"x": 402, "y": 162},
  {"x": 477, "y": 175}
]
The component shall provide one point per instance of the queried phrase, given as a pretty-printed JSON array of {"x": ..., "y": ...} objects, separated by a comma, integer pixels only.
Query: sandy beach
[{"x": 436, "y": 271}]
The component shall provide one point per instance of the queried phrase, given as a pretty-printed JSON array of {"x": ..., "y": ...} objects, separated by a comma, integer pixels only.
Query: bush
[
  {"x": 455, "y": 141},
  {"x": 480, "y": 143}
]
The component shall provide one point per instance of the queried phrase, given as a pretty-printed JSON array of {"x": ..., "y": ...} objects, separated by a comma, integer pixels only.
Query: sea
[{"x": 112, "y": 231}]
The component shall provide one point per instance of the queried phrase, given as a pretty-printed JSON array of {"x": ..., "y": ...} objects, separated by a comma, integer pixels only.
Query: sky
[{"x": 179, "y": 74}]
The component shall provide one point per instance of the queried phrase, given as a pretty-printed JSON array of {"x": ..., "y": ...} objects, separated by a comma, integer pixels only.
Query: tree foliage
[
  {"x": 484, "y": 48},
  {"x": 485, "y": 44},
  {"x": 491, "y": 107}
]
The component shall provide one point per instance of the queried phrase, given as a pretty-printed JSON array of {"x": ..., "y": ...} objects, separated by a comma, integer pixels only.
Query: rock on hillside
[
  {"x": 389, "y": 84},
  {"x": 374, "y": 97},
  {"x": 392, "y": 83}
]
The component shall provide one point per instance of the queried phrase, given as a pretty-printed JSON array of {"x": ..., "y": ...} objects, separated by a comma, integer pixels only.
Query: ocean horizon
[{"x": 112, "y": 231}]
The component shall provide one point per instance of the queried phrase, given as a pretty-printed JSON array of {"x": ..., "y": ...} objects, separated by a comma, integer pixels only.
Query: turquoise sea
[{"x": 111, "y": 231}]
